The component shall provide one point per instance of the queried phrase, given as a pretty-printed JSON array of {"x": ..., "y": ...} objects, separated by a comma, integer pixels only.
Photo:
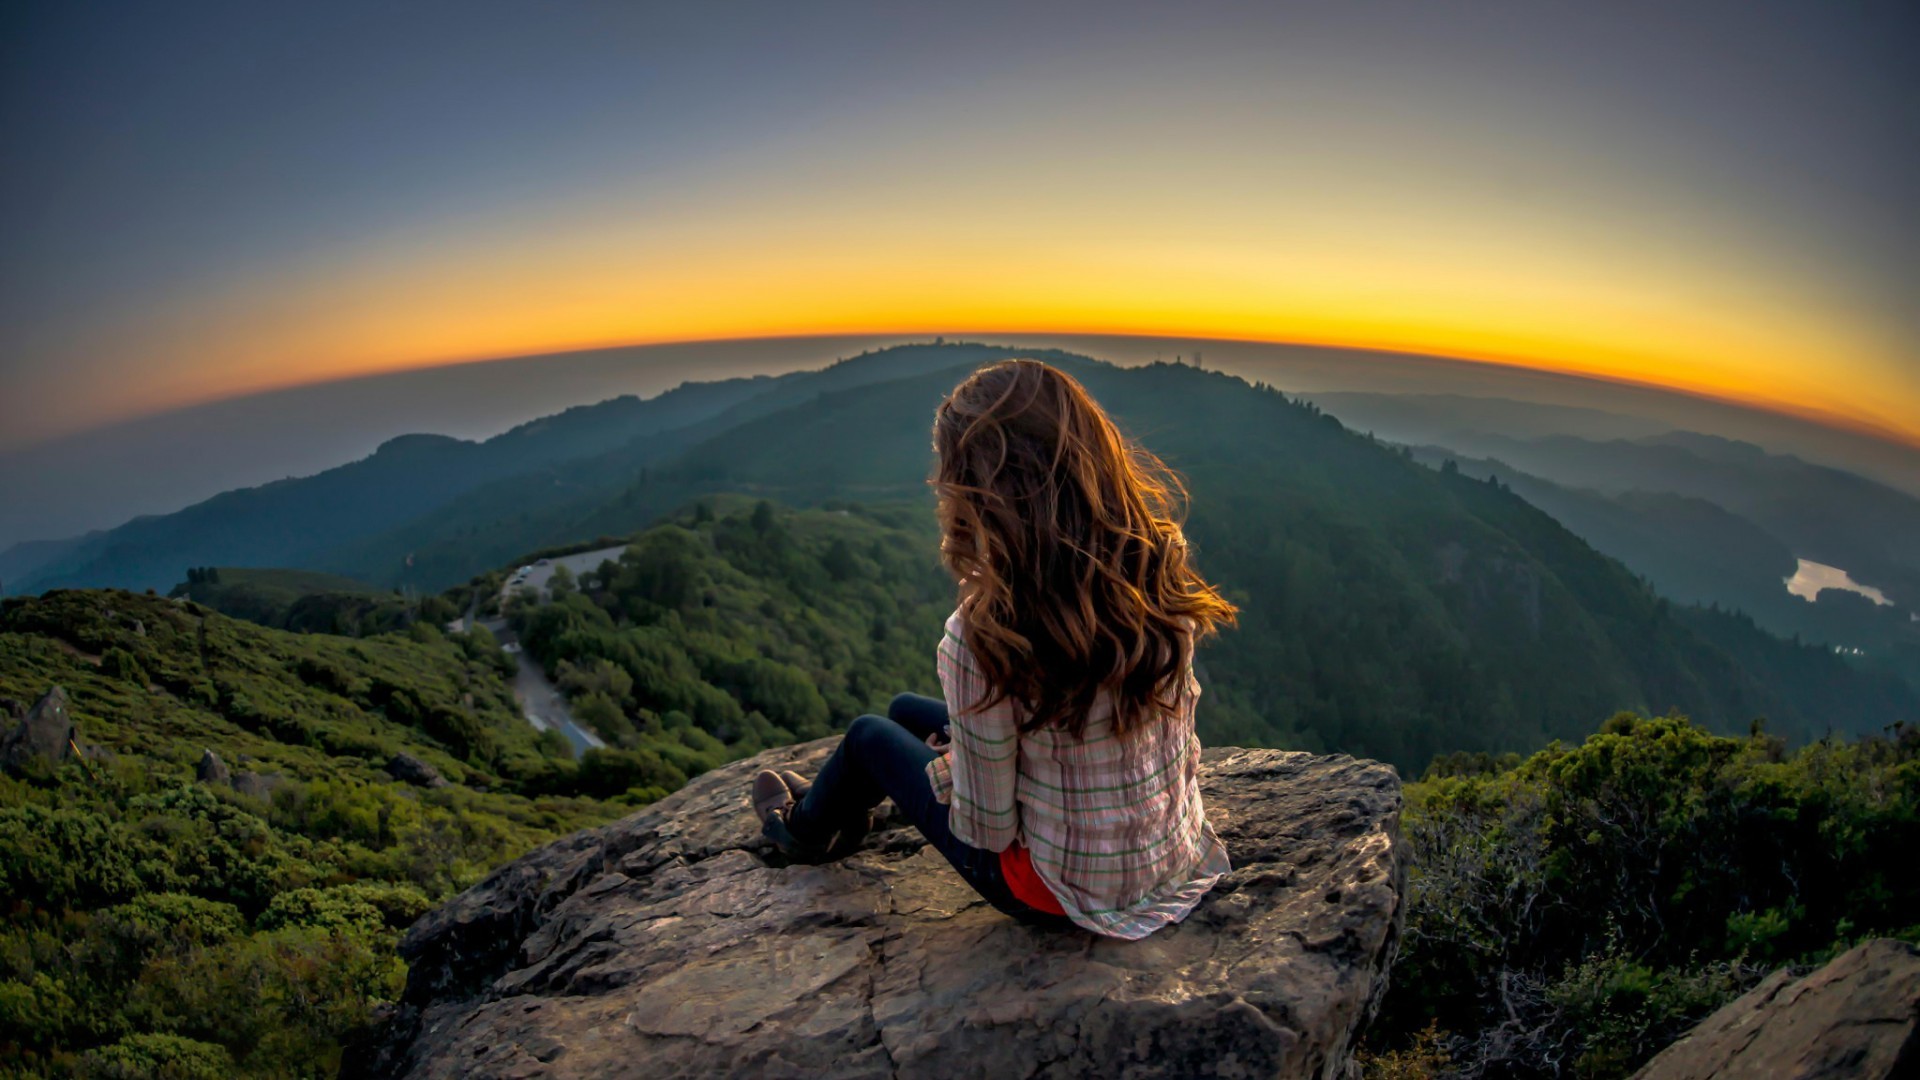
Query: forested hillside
[
  {"x": 294, "y": 522},
  {"x": 173, "y": 915},
  {"x": 574, "y": 499},
  {"x": 365, "y": 518},
  {"x": 1391, "y": 610},
  {"x": 1823, "y": 514},
  {"x": 307, "y": 601},
  {"x": 738, "y": 626},
  {"x": 1693, "y": 551}
]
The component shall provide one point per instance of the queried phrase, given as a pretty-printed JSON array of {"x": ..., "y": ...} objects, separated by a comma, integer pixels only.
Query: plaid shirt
[{"x": 1116, "y": 829}]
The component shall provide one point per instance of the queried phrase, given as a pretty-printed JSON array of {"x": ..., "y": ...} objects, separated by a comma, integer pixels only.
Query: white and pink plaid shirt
[{"x": 1115, "y": 828}]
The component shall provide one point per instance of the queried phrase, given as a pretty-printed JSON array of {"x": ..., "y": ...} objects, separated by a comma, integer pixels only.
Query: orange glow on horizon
[
  {"x": 1868, "y": 426},
  {"x": 1700, "y": 308},
  {"x": 1343, "y": 199}
]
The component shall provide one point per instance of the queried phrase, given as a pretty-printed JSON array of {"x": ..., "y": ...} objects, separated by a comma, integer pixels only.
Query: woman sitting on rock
[{"x": 1061, "y": 775}]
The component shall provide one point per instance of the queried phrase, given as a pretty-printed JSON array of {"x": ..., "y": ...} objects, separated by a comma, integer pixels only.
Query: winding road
[{"x": 544, "y": 706}]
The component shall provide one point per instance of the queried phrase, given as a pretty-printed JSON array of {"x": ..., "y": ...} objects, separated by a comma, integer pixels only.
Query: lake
[{"x": 1811, "y": 577}]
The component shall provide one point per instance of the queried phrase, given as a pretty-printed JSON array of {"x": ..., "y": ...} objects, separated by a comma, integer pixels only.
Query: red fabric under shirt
[{"x": 1017, "y": 867}]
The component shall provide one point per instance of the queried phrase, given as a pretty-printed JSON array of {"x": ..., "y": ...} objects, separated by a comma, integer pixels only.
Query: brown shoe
[
  {"x": 775, "y": 794},
  {"x": 771, "y": 796},
  {"x": 796, "y": 783}
]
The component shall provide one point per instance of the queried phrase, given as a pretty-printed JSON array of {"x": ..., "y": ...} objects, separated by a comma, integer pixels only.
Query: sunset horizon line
[{"x": 1834, "y": 421}]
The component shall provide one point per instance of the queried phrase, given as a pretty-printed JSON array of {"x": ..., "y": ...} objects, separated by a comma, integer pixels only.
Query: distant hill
[
  {"x": 295, "y": 522},
  {"x": 1826, "y": 515},
  {"x": 21, "y": 560},
  {"x": 1390, "y": 609},
  {"x": 574, "y": 499},
  {"x": 1706, "y": 519},
  {"x": 1693, "y": 551},
  {"x": 354, "y": 519},
  {"x": 1431, "y": 418}
]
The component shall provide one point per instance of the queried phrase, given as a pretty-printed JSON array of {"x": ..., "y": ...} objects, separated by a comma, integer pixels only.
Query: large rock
[
  {"x": 676, "y": 943},
  {"x": 212, "y": 770},
  {"x": 45, "y": 733},
  {"x": 1858, "y": 1018},
  {"x": 411, "y": 770}
]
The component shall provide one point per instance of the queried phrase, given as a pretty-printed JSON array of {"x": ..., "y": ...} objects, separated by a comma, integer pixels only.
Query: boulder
[
  {"x": 409, "y": 769},
  {"x": 211, "y": 770},
  {"x": 44, "y": 733},
  {"x": 677, "y": 943},
  {"x": 257, "y": 785},
  {"x": 1858, "y": 1018}
]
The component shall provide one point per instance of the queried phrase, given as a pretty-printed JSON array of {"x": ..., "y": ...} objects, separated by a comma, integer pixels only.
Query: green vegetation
[
  {"x": 366, "y": 518},
  {"x": 1393, "y": 610},
  {"x": 739, "y": 626},
  {"x": 1390, "y": 610},
  {"x": 308, "y": 601},
  {"x": 1571, "y": 912},
  {"x": 1575, "y": 912},
  {"x": 1694, "y": 552},
  {"x": 162, "y": 926}
]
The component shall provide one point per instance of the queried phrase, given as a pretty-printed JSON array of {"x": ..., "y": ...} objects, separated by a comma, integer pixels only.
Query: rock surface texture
[
  {"x": 44, "y": 733},
  {"x": 411, "y": 770},
  {"x": 1857, "y": 1018},
  {"x": 677, "y": 943}
]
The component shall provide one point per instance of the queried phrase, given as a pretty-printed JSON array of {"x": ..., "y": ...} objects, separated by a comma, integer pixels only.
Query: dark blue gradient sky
[{"x": 206, "y": 199}]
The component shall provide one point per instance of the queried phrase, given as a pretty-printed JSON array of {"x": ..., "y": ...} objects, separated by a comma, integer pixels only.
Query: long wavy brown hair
[{"x": 1065, "y": 536}]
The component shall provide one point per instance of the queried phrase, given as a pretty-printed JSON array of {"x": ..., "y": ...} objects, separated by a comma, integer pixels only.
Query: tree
[
  {"x": 762, "y": 516},
  {"x": 839, "y": 560}
]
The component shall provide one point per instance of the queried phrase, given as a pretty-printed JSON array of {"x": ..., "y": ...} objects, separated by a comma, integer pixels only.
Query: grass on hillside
[{"x": 159, "y": 926}]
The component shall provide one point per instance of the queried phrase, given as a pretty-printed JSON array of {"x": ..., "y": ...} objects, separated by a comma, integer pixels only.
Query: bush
[
  {"x": 606, "y": 773},
  {"x": 158, "y": 926},
  {"x": 158, "y": 1057},
  {"x": 168, "y": 922},
  {"x": 362, "y": 908},
  {"x": 1572, "y": 913},
  {"x": 57, "y": 858},
  {"x": 121, "y": 664}
]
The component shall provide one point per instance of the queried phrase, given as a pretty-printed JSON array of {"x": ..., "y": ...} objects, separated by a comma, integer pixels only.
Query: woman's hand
[{"x": 939, "y": 741}]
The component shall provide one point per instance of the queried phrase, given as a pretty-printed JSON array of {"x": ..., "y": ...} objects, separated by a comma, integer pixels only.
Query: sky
[{"x": 205, "y": 200}]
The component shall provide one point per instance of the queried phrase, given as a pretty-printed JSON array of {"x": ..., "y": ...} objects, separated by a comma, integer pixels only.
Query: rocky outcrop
[
  {"x": 211, "y": 770},
  {"x": 676, "y": 943},
  {"x": 45, "y": 733},
  {"x": 411, "y": 770},
  {"x": 1858, "y": 1018}
]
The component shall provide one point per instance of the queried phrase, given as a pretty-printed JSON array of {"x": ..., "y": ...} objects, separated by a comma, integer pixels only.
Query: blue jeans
[{"x": 885, "y": 757}]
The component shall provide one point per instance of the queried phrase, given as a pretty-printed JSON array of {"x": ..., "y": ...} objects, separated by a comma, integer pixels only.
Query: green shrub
[
  {"x": 159, "y": 926},
  {"x": 1573, "y": 912},
  {"x": 158, "y": 1057}
]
